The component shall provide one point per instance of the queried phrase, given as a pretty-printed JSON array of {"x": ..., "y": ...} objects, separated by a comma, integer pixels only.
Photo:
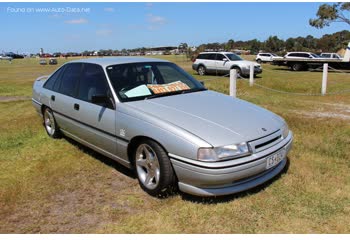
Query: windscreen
[{"x": 138, "y": 81}]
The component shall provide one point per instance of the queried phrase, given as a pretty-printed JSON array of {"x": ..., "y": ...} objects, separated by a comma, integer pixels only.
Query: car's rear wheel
[
  {"x": 153, "y": 168},
  {"x": 50, "y": 124},
  {"x": 259, "y": 61},
  {"x": 297, "y": 67},
  {"x": 201, "y": 70}
]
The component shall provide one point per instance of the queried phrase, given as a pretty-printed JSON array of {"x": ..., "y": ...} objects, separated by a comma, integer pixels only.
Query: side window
[
  {"x": 220, "y": 57},
  {"x": 201, "y": 56},
  {"x": 306, "y": 55},
  {"x": 49, "y": 84},
  {"x": 70, "y": 79},
  {"x": 211, "y": 56},
  {"x": 205, "y": 56},
  {"x": 92, "y": 83}
]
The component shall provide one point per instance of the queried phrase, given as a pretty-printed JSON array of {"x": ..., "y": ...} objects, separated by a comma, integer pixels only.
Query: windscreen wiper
[{"x": 175, "y": 93}]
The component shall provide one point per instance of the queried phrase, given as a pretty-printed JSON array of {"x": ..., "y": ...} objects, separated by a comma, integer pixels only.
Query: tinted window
[
  {"x": 211, "y": 56},
  {"x": 233, "y": 57},
  {"x": 220, "y": 57},
  {"x": 49, "y": 84},
  {"x": 203, "y": 56},
  {"x": 92, "y": 83},
  {"x": 70, "y": 79}
]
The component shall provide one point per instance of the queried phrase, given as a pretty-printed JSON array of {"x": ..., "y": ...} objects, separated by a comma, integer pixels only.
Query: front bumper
[
  {"x": 236, "y": 176},
  {"x": 246, "y": 71}
]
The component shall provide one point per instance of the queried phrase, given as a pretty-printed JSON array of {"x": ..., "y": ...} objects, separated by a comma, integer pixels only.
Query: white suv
[
  {"x": 222, "y": 63},
  {"x": 330, "y": 55},
  {"x": 266, "y": 57},
  {"x": 301, "y": 55}
]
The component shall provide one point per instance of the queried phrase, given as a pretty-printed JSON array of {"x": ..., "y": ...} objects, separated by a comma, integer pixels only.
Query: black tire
[
  {"x": 158, "y": 185},
  {"x": 50, "y": 123},
  {"x": 201, "y": 70},
  {"x": 259, "y": 61},
  {"x": 297, "y": 67},
  {"x": 239, "y": 72}
]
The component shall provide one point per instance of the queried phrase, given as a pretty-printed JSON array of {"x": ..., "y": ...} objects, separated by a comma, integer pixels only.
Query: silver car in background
[{"x": 152, "y": 116}]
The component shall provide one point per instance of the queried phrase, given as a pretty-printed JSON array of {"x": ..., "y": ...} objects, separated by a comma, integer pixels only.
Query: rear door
[
  {"x": 211, "y": 62},
  {"x": 62, "y": 100}
]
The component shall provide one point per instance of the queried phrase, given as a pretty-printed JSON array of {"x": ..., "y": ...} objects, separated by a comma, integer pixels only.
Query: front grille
[{"x": 265, "y": 142}]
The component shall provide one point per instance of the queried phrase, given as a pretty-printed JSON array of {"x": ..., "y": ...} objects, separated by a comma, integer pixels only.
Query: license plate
[{"x": 275, "y": 158}]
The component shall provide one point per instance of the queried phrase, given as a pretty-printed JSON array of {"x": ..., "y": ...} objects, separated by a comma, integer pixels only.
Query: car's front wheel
[
  {"x": 238, "y": 70},
  {"x": 153, "y": 168},
  {"x": 50, "y": 124}
]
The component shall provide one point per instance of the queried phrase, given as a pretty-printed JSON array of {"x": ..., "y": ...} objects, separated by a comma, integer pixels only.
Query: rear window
[
  {"x": 207, "y": 56},
  {"x": 49, "y": 84},
  {"x": 70, "y": 79}
]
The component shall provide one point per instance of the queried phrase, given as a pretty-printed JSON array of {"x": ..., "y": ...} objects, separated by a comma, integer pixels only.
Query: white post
[
  {"x": 233, "y": 81},
  {"x": 324, "y": 79},
  {"x": 251, "y": 75}
]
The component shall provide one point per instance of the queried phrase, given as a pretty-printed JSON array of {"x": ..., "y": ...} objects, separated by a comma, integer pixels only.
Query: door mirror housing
[
  {"x": 225, "y": 59},
  {"x": 103, "y": 101}
]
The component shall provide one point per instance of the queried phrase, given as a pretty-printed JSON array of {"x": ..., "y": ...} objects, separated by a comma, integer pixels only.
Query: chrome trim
[{"x": 37, "y": 102}]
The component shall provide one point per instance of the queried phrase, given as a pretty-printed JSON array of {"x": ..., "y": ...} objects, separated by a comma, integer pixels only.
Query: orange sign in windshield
[{"x": 171, "y": 87}]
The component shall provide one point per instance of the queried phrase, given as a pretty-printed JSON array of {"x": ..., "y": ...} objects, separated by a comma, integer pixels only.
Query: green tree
[
  {"x": 328, "y": 14},
  {"x": 274, "y": 44},
  {"x": 230, "y": 45}
]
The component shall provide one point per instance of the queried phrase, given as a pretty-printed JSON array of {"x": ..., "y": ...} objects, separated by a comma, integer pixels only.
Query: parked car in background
[
  {"x": 43, "y": 62},
  {"x": 5, "y": 58},
  {"x": 302, "y": 55},
  {"x": 266, "y": 57},
  {"x": 13, "y": 55},
  {"x": 330, "y": 55},
  {"x": 222, "y": 63},
  {"x": 53, "y": 61},
  {"x": 152, "y": 116}
]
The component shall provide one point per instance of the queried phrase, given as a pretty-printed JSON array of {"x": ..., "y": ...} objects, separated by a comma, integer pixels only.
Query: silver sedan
[{"x": 152, "y": 116}]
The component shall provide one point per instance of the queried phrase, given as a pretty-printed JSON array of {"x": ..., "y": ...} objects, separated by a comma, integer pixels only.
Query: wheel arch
[
  {"x": 201, "y": 65},
  {"x": 134, "y": 143}
]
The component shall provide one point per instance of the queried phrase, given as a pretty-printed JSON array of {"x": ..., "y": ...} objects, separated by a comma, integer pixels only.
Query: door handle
[
  {"x": 53, "y": 97},
  {"x": 76, "y": 106}
]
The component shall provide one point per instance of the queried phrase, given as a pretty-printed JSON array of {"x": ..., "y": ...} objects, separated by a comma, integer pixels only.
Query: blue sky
[{"x": 130, "y": 25}]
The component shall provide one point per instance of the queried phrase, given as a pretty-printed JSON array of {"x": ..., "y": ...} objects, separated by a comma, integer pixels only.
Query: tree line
[{"x": 327, "y": 43}]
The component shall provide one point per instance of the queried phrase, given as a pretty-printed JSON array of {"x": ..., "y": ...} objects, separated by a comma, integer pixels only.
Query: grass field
[{"x": 58, "y": 186}]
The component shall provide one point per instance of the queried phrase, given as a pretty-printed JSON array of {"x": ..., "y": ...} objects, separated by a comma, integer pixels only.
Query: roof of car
[
  {"x": 299, "y": 52},
  {"x": 107, "y": 61},
  {"x": 216, "y": 52}
]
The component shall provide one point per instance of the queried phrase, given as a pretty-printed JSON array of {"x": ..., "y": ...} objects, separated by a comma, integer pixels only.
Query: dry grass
[{"x": 58, "y": 186}]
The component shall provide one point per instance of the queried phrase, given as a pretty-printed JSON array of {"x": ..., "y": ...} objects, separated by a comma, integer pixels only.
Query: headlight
[
  {"x": 225, "y": 152},
  {"x": 285, "y": 130}
]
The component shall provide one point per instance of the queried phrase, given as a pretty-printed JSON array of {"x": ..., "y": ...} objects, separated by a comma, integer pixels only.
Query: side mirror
[
  {"x": 102, "y": 100},
  {"x": 202, "y": 82},
  {"x": 225, "y": 59}
]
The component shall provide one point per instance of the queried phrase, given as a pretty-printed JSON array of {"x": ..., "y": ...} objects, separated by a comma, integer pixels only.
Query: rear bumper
[
  {"x": 194, "y": 66},
  {"x": 206, "y": 181}
]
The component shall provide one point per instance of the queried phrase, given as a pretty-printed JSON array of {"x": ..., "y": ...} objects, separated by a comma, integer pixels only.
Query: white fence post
[
  {"x": 251, "y": 75},
  {"x": 324, "y": 78},
  {"x": 233, "y": 81}
]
